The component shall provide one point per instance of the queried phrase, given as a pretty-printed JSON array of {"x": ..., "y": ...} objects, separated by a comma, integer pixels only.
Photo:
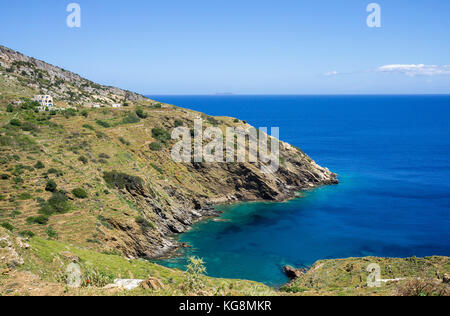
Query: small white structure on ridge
[{"x": 44, "y": 100}]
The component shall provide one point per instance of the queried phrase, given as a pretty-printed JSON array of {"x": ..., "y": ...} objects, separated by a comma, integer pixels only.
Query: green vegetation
[
  {"x": 349, "y": 276},
  {"x": 7, "y": 226},
  {"x": 51, "y": 186},
  {"x": 155, "y": 146},
  {"x": 56, "y": 172},
  {"x": 121, "y": 180},
  {"x": 40, "y": 220},
  {"x": 141, "y": 114},
  {"x": 27, "y": 234},
  {"x": 157, "y": 168},
  {"x": 83, "y": 159},
  {"x": 25, "y": 196},
  {"x": 161, "y": 134},
  {"x": 51, "y": 233},
  {"x": 124, "y": 141},
  {"x": 178, "y": 123},
  {"x": 80, "y": 193},
  {"x": 195, "y": 280},
  {"x": 39, "y": 165},
  {"x": 103, "y": 123},
  {"x": 211, "y": 120},
  {"x": 90, "y": 127},
  {"x": 130, "y": 119},
  {"x": 145, "y": 224},
  {"x": 57, "y": 204},
  {"x": 15, "y": 122}
]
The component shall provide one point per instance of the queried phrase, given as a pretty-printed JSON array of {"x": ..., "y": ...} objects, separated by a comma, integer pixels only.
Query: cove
[{"x": 392, "y": 155}]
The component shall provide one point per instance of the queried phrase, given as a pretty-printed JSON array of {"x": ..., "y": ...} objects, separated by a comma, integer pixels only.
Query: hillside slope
[{"x": 130, "y": 196}]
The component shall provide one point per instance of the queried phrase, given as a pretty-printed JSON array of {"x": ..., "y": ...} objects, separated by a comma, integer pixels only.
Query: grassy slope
[
  {"x": 59, "y": 144},
  {"x": 44, "y": 259},
  {"x": 349, "y": 276}
]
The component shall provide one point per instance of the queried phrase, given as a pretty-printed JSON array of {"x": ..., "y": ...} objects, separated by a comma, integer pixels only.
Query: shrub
[
  {"x": 104, "y": 221},
  {"x": 145, "y": 224},
  {"x": 100, "y": 135},
  {"x": 80, "y": 193},
  {"x": 104, "y": 156},
  {"x": 85, "y": 113},
  {"x": 57, "y": 204},
  {"x": 7, "y": 226},
  {"x": 178, "y": 123},
  {"x": 87, "y": 126},
  {"x": 5, "y": 176},
  {"x": 124, "y": 141},
  {"x": 122, "y": 180},
  {"x": 83, "y": 159},
  {"x": 54, "y": 171},
  {"x": 141, "y": 114},
  {"x": 51, "y": 233},
  {"x": 103, "y": 123},
  {"x": 51, "y": 186},
  {"x": 27, "y": 234},
  {"x": 25, "y": 196},
  {"x": 18, "y": 180},
  {"x": 97, "y": 278},
  {"x": 236, "y": 121},
  {"x": 131, "y": 119},
  {"x": 10, "y": 108},
  {"x": 39, "y": 165},
  {"x": 15, "y": 122},
  {"x": 195, "y": 277},
  {"x": 161, "y": 134},
  {"x": 29, "y": 127},
  {"x": 40, "y": 220},
  {"x": 155, "y": 146},
  {"x": 157, "y": 168},
  {"x": 15, "y": 213},
  {"x": 211, "y": 120}
]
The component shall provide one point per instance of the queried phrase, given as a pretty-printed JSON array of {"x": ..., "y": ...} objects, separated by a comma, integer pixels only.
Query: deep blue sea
[{"x": 392, "y": 154}]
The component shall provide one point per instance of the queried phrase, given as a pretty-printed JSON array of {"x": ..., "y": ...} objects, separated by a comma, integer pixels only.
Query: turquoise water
[{"x": 392, "y": 155}]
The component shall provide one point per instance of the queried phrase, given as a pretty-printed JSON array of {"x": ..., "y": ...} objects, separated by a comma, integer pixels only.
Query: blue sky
[{"x": 243, "y": 47}]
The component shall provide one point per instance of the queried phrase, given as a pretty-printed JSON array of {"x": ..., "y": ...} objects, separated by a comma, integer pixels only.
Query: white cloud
[
  {"x": 331, "y": 73},
  {"x": 416, "y": 70}
]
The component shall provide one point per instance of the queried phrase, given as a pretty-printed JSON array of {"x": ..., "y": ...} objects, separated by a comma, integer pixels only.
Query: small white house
[
  {"x": 116, "y": 106},
  {"x": 44, "y": 100}
]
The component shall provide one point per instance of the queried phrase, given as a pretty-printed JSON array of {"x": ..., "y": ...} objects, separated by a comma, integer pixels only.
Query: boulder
[
  {"x": 152, "y": 284},
  {"x": 69, "y": 256},
  {"x": 446, "y": 278},
  {"x": 292, "y": 273}
]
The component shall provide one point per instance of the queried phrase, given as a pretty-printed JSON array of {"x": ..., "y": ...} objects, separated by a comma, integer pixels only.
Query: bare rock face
[
  {"x": 152, "y": 284},
  {"x": 446, "y": 278},
  {"x": 293, "y": 273},
  {"x": 9, "y": 250}
]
